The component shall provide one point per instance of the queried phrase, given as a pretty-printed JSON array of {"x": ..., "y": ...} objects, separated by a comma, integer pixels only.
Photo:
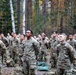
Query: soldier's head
[
  {"x": 62, "y": 37},
  {"x": 54, "y": 35},
  {"x": 39, "y": 36},
  {"x": 22, "y": 37},
  {"x": 2, "y": 35},
  {"x": 43, "y": 35},
  {"x": 70, "y": 37},
  {"x": 14, "y": 35},
  {"x": 29, "y": 33},
  {"x": 74, "y": 36}
]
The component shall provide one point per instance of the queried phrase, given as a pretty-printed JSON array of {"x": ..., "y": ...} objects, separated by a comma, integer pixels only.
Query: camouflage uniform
[
  {"x": 5, "y": 41},
  {"x": 73, "y": 44},
  {"x": 20, "y": 53},
  {"x": 29, "y": 57},
  {"x": 2, "y": 49},
  {"x": 65, "y": 55},
  {"x": 44, "y": 49},
  {"x": 53, "y": 59},
  {"x": 15, "y": 47},
  {"x": 19, "y": 65}
]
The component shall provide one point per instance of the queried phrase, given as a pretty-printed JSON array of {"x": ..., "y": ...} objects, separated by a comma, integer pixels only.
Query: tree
[
  {"x": 18, "y": 15},
  {"x": 24, "y": 12},
  {"x": 12, "y": 16},
  {"x": 5, "y": 17},
  {"x": 44, "y": 15}
]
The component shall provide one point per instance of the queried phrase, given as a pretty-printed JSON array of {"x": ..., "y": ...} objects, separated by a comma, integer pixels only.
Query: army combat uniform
[
  {"x": 15, "y": 46},
  {"x": 44, "y": 49},
  {"x": 2, "y": 51},
  {"x": 29, "y": 57},
  {"x": 73, "y": 44},
  {"x": 53, "y": 59},
  {"x": 65, "y": 56}
]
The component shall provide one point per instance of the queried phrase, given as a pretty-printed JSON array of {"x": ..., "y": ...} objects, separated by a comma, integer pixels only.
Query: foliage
[
  {"x": 5, "y": 16},
  {"x": 34, "y": 15}
]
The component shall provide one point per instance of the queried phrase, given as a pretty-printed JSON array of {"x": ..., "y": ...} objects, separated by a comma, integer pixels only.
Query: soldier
[
  {"x": 2, "y": 49},
  {"x": 39, "y": 38},
  {"x": 19, "y": 65},
  {"x": 65, "y": 56},
  {"x": 44, "y": 42},
  {"x": 20, "y": 49},
  {"x": 30, "y": 45},
  {"x": 74, "y": 36},
  {"x": 9, "y": 59},
  {"x": 72, "y": 42},
  {"x": 15, "y": 45},
  {"x": 53, "y": 43},
  {"x": 5, "y": 41},
  {"x": 9, "y": 38}
]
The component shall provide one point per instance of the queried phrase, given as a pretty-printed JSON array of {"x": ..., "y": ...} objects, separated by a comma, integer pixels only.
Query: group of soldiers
[{"x": 25, "y": 51}]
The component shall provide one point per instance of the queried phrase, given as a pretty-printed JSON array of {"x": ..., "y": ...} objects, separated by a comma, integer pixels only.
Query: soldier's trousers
[
  {"x": 53, "y": 61},
  {"x": 27, "y": 70},
  {"x": 0, "y": 64},
  {"x": 43, "y": 56},
  {"x": 63, "y": 72}
]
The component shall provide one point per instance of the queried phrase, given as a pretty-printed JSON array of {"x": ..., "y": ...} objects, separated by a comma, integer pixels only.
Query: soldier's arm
[
  {"x": 75, "y": 44},
  {"x": 57, "y": 49},
  {"x": 71, "y": 53},
  {"x": 36, "y": 46},
  {"x": 2, "y": 45},
  {"x": 46, "y": 43}
]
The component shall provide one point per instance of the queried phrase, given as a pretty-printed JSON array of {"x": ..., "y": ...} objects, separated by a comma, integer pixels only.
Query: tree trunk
[
  {"x": 18, "y": 15},
  {"x": 28, "y": 13},
  {"x": 61, "y": 24},
  {"x": 44, "y": 15},
  {"x": 24, "y": 12},
  {"x": 12, "y": 16}
]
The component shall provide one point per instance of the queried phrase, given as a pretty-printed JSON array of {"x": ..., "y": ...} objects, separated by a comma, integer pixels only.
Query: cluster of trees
[{"x": 38, "y": 15}]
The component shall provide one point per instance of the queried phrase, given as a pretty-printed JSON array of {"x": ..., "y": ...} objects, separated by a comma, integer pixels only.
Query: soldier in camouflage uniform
[
  {"x": 2, "y": 49},
  {"x": 15, "y": 46},
  {"x": 21, "y": 50},
  {"x": 44, "y": 42},
  {"x": 72, "y": 42},
  {"x": 74, "y": 36},
  {"x": 5, "y": 41},
  {"x": 19, "y": 65},
  {"x": 54, "y": 41},
  {"x": 9, "y": 38},
  {"x": 65, "y": 56},
  {"x": 30, "y": 45}
]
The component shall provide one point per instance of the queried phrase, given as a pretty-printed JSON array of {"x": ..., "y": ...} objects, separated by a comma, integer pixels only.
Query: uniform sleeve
[
  {"x": 2, "y": 45},
  {"x": 57, "y": 49},
  {"x": 75, "y": 44},
  {"x": 36, "y": 46},
  {"x": 71, "y": 53}
]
